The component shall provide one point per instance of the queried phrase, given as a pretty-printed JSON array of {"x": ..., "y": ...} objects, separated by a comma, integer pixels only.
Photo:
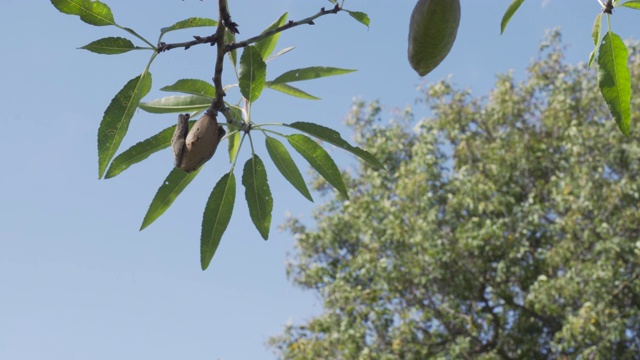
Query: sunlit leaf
[
  {"x": 171, "y": 187},
  {"x": 193, "y": 87},
  {"x": 116, "y": 119},
  {"x": 632, "y": 4},
  {"x": 309, "y": 73},
  {"x": 614, "y": 79},
  {"x": 215, "y": 219},
  {"x": 234, "y": 138},
  {"x": 111, "y": 46},
  {"x": 266, "y": 46},
  {"x": 290, "y": 90},
  {"x": 319, "y": 159},
  {"x": 333, "y": 137},
  {"x": 252, "y": 74},
  {"x": 92, "y": 12},
  {"x": 230, "y": 38},
  {"x": 174, "y": 104},
  {"x": 361, "y": 17},
  {"x": 513, "y": 7},
  {"x": 258, "y": 194},
  {"x": 283, "y": 161},
  {"x": 595, "y": 34},
  {"x": 281, "y": 52}
]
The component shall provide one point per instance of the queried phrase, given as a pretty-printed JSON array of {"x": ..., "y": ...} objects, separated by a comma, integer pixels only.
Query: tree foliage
[{"x": 506, "y": 227}]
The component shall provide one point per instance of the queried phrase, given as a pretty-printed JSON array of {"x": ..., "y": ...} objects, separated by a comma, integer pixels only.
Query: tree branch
[
  {"x": 212, "y": 39},
  {"x": 289, "y": 25}
]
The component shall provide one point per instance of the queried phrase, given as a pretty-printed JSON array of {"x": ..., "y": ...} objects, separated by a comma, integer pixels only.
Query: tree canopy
[{"x": 505, "y": 227}]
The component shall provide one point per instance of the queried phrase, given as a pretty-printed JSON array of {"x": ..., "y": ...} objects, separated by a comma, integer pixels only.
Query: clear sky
[{"x": 77, "y": 278}]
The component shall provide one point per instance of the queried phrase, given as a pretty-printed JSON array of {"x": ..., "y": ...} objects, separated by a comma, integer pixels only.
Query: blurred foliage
[{"x": 506, "y": 227}]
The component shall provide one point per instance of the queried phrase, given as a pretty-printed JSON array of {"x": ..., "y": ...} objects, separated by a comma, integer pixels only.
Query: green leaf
[
  {"x": 595, "y": 34},
  {"x": 171, "y": 187},
  {"x": 258, "y": 194},
  {"x": 193, "y": 87},
  {"x": 632, "y": 4},
  {"x": 290, "y": 90},
  {"x": 174, "y": 104},
  {"x": 333, "y": 137},
  {"x": 188, "y": 23},
  {"x": 234, "y": 138},
  {"x": 515, "y": 5},
  {"x": 253, "y": 73},
  {"x": 116, "y": 119},
  {"x": 230, "y": 38},
  {"x": 309, "y": 73},
  {"x": 92, "y": 12},
  {"x": 283, "y": 161},
  {"x": 111, "y": 46},
  {"x": 614, "y": 79},
  {"x": 361, "y": 17},
  {"x": 266, "y": 46},
  {"x": 216, "y": 217},
  {"x": 141, "y": 151},
  {"x": 319, "y": 159}
]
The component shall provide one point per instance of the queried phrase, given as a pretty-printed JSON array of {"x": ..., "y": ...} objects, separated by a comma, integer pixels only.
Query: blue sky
[{"x": 79, "y": 281}]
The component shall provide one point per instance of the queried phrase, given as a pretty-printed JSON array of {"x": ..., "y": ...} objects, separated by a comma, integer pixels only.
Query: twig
[
  {"x": 218, "y": 102},
  {"x": 289, "y": 25},
  {"x": 212, "y": 39}
]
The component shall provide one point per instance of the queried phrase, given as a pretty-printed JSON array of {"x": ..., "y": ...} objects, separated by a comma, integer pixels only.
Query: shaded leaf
[
  {"x": 92, "y": 12},
  {"x": 188, "y": 23},
  {"x": 110, "y": 46},
  {"x": 333, "y": 137},
  {"x": 141, "y": 151},
  {"x": 266, "y": 46},
  {"x": 361, "y": 17},
  {"x": 258, "y": 194},
  {"x": 253, "y": 73},
  {"x": 290, "y": 90},
  {"x": 283, "y": 161},
  {"x": 614, "y": 79},
  {"x": 171, "y": 187},
  {"x": 511, "y": 10},
  {"x": 193, "y": 87},
  {"x": 319, "y": 159},
  {"x": 230, "y": 38},
  {"x": 116, "y": 119},
  {"x": 309, "y": 73},
  {"x": 173, "y": 104},
  {"x": 217, "y": 214}
]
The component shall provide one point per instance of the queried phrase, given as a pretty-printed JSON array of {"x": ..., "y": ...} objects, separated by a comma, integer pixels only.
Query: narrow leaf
[
  {"x": 234, "y": 138},
  {"x": 92, "y": 12},
  {"x": 595, "y": 34},
  {"x": 632, "y": 4},
  {"x": 281, "y": 52},
  {"x": 193, "y": 87},
  {"x": 216, "y": 217},
  {"x": 188, "y": 23},
  {"x": 319, "y": 159},
  {"x": 171, "y": 187},
  {"x": 283, "y": 161},
  {"x": 141, "y": 151},
  {"x": 309, "y": 73},
  {"x": 116, "y": 119},
  {"x": 333, "y": 137},
  {"x": 290, "y": 90},
  {"x": 266, "y": 46},
  {"x": 174, "y": 104},
  {"x": 258, "y": 194},
  {"x": 361, "y": 17},
  {"x": 614, "y": 79},
  {"x": 515, "y": 5},
  {"x": 230, "y": 38},
  {"x": 253, "y": 73},
  {"x": 110, "y": 46}
]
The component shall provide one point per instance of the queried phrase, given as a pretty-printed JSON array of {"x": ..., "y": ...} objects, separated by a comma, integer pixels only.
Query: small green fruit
[{"x": 432, "y": 31}]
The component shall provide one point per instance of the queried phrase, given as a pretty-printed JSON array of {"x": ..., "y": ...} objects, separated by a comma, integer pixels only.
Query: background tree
[{"x": 505, "y": 227}]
